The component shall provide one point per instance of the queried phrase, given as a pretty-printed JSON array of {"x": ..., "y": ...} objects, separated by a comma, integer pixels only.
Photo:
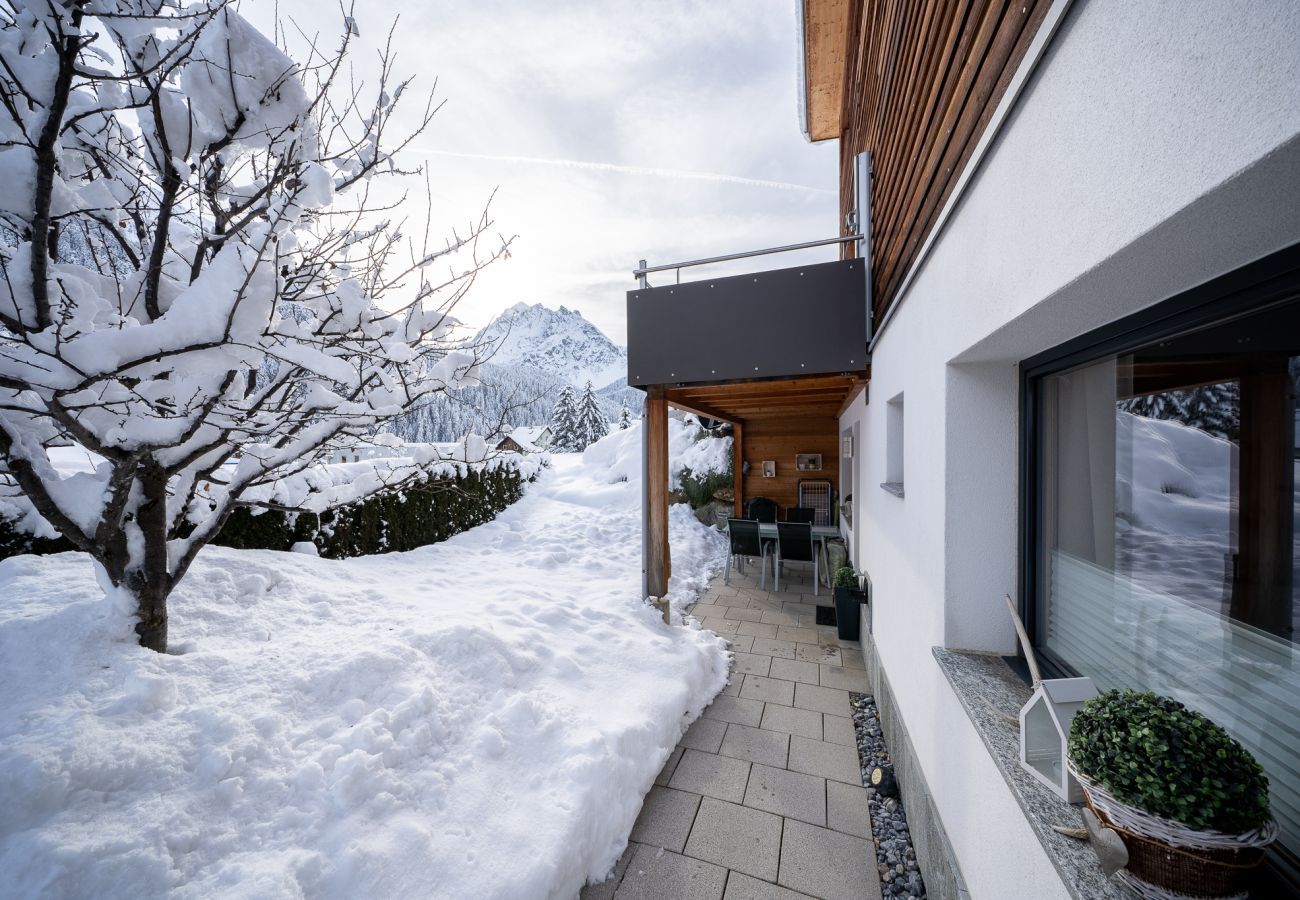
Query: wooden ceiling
[
  {"x": 818, "y": 397},
  {"x": 825, "y": 28}
]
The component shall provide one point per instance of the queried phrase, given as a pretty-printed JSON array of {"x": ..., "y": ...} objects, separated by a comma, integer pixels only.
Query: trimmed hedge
[{"x": 386, "y": 522}]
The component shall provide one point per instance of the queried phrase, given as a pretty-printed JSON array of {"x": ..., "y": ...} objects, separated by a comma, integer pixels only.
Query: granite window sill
[
  {"x": 992, "y": 695},
  {"x": 893, "y": 487}
]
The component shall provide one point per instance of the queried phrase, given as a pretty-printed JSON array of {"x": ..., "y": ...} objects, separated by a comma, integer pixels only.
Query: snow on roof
[{"x": 529, "y": 434}]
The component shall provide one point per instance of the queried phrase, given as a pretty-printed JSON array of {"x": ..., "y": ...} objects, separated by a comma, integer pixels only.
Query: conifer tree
[
  {"x": 564, "y": 423},
  {"x": 591, "y": 422},
  {"x": 624, "y": 418}
]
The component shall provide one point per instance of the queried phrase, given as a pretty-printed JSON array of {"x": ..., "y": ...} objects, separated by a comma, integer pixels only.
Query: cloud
[
  {"x": 628, "y": 170},
  {"x": 611, "y": 132}
]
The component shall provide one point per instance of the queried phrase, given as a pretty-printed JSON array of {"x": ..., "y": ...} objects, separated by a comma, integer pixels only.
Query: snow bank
[
  {"x": 619, "y": 454},
  {"x": 1173, "y": 507},
  {"x": 475, "y": 719}
]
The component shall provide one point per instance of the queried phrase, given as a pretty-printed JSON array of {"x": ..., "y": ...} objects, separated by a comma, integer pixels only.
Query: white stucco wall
[{"x": 1156, "y": 147}]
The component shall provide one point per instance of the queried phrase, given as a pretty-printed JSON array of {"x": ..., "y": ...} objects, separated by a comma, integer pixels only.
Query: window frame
[{"x": 1270, "y": 281}]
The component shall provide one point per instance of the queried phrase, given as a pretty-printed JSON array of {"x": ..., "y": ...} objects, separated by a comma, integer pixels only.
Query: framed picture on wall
[
  {"x": 769, "y": 468},
  {"x": 808, "y": 462}
]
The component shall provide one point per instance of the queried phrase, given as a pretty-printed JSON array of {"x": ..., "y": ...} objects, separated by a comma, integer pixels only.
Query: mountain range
[
  {"x": 558, "y": 342},
  {"x": 532, "y": 351}
]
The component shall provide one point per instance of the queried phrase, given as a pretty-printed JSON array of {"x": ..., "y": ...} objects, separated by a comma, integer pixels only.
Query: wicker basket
[{"x": 1174, "y": 859}]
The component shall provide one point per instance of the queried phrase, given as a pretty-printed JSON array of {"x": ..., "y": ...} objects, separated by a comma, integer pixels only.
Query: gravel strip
[{"x": 895, "y": 857}]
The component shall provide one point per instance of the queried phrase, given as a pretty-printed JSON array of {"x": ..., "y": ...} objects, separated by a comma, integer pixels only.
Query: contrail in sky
[{"x": 628, "y": 170}]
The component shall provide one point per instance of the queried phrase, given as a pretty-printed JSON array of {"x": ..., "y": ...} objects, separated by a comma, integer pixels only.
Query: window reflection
[{"x": 1169, "y": 501}]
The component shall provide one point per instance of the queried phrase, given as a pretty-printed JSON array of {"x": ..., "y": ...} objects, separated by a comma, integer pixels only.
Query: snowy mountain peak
[{"x": 558, "y": 342}]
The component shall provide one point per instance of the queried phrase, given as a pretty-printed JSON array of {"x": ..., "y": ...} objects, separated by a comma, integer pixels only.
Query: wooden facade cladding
[
  {"x": 922, "y": 78},
  {"x": 779, "y": 440}
]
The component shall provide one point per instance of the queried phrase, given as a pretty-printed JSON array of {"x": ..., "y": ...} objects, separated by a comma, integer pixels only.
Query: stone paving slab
[
  {"x": 655, "y": 874},
  {"x": 774, "y": 648},
  {"x": 828, "y": 864},
  {"x": 704, "y": 611},
  {"x": 735, "y": 709},
  {"x": 839, "y": 730},
  {"x": 713, "y": 776},
  {"x": 825, "y": 760},
  {"x": 822, "y": 699},
  {"x": 666, "y": 818},
  {"x": 722, "y": 626},
  {"x": 762, "y": 799},
  {"x": 740, "y": 642},
  {"x": 771, "y": 748},
  {"x": 818, "y": 654},
  {"x": 704, "y": 734},
  {"x": 787, "y": 794},
  {"x": 804, "y": 722},
  {"x": 751, "y": 664},
  {"x": 736, "y": 837},
  {"x": 847, "y": 808},
  {"x": 795, "y": 670},
  {"x": 846, "y": 679},
  {"x": 742, "y": 887},
  {"x": 769, "y": 690},
  {"x": 797, "y": 634}
]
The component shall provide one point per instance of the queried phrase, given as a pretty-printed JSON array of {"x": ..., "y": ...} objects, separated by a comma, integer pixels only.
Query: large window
[{"x": 1161, "y": 515}]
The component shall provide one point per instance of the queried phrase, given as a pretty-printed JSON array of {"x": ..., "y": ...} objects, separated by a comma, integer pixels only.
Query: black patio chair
[
  {"x": 805, "y": 515},
  {"x": 746, "y": 544},
  {"x": 795, "y": 544},
  {"x": 761, "y": 509}
]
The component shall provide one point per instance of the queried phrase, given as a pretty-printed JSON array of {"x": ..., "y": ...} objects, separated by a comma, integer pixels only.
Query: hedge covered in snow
[{"x": 455, "y": 499}]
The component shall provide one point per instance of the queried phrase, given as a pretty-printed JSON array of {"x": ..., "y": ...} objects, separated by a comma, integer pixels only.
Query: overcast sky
[{"x": 611, "y": 130}]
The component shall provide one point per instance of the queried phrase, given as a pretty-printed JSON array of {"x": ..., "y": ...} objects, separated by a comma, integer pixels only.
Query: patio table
[{"x": 820, "y": 535}]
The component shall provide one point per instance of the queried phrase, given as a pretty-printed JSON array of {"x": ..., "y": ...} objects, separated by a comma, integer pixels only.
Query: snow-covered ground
[
  {"x": 1176, "y": 511},
  {"x": 474, "y": 719}
]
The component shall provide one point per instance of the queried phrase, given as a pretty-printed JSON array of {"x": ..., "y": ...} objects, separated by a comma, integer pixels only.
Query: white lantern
[{"x": 1045, "y": 731}]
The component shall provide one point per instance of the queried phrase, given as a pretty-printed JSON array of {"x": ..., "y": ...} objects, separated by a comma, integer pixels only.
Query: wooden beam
[
  {"x": 848, "y": 401},
  {"x": 655, "y": 523},
  {"x": 700, "y": 409},
  {"x": 737, "y": 464},
  {"x": 1261, "y": 588},
  {"x": 764, "y": 385}
]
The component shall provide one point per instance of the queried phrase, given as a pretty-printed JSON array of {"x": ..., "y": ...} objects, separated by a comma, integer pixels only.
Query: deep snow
[{"x": 475, "y": 719}]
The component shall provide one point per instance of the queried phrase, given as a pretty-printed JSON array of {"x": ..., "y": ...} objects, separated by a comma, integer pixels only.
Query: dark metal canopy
[{"x": 805, "y": 320}]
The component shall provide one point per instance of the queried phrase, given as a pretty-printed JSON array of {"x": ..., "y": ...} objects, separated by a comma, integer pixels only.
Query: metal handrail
[{"x": 643, "y": 270}]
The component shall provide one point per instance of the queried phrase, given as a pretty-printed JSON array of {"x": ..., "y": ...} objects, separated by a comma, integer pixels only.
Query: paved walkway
[{"x": 763, "y": 796}]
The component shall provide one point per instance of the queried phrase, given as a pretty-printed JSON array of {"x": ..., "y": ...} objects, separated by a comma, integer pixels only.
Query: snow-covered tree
[
  {"x": 591, "y": 424},
  {"x": 238, "y": 303},
  {"x": 1212, "y": 408},
  {"x": 624, "y": 418},
  {"x": 564, "y": 423}
]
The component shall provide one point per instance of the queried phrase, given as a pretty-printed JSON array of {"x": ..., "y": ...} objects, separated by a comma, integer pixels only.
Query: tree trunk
[
  {"x": 152, "y": 583},
  {"x": 151, "y": 612}
]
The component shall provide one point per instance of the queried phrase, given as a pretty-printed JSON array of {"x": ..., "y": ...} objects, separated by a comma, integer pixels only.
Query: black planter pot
[{"x": 847, "y": 615}]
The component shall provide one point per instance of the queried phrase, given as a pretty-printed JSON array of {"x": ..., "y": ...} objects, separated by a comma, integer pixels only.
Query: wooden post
[
  {"x": 1261, "y": 591},
  {"x": 738, "y": 463},
  {"x": 657, "y": 563}
]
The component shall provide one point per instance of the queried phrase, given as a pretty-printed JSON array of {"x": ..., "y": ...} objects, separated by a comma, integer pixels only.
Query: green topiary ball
[
  {"x": 1153, "y": 753},
  {"x": 845, "y": 577}
]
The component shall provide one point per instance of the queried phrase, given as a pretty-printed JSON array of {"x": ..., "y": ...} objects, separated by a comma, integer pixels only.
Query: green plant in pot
[
  {"x": 1189, "y": 801},
  {"x": 848, "y": 596}
]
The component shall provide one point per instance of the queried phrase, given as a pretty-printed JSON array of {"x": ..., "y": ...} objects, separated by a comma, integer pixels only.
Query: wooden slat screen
[{"x": 921, "y": 81}]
